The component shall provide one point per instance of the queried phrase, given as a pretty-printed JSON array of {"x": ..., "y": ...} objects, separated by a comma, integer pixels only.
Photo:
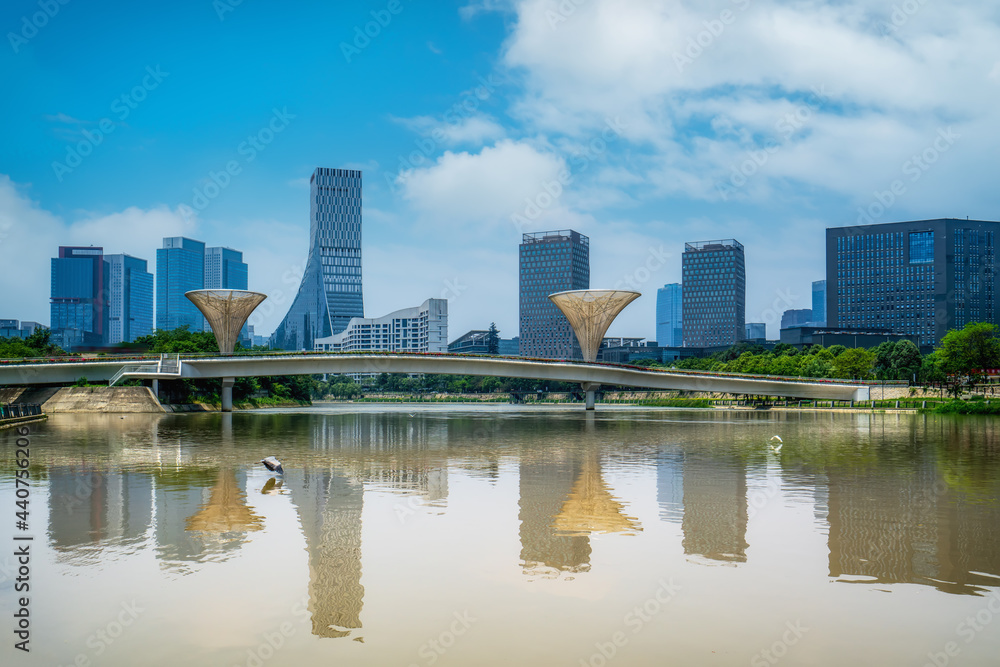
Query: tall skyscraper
[
  {"x": 714, "y": 297},
  {"x": 550, "y": 262},
  {"x": 78, "y": 307},
  {"x": 669, "y": 312},
  {"x": 819, "y": 303},
  {"x": 180, "y": 267},
  {"x": 130, "y": 299},
  {"x": 225, "y": 269},
  {"x": 917, "y": 278},
  {"x": 330, "y": 293}
]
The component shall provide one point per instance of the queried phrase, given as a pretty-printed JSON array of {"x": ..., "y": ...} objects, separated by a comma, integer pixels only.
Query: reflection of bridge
[{"x": 309, "y": 364}]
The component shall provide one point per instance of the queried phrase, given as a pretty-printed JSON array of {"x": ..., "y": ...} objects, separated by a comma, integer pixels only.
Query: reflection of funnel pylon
[
  {"x": 226, "y": 510},
  {"x": 590, "y": 507},
  {"x": 590, "y": 313}
]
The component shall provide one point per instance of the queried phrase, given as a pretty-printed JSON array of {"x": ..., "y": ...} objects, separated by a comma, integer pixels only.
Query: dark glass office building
[
  {"x": 78, "y": 307},
  {"x": 550, "y": 262},
  {"x": 330, "y": 293},
  {"x": 130, "y": 299},
  {"x": 180, "y": 267},
  {"x": 225, "y": 269},
  {"x": 714, "y": 296},
  {"x": 917, "y": 278}
]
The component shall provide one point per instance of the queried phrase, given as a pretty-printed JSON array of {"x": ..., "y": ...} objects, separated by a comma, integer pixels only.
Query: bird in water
[
  {"x": 273, "y": 464},
  {"x": 776, "y": 443}
]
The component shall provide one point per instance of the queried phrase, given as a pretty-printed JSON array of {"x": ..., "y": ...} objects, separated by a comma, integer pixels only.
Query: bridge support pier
[
  {"x": 156, "y": 389},
  {"x": 591, "y": 390},
  {"x": 227, "y": 394}
]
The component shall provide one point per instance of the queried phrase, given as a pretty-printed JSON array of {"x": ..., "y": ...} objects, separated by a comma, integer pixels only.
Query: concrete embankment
[{"x": 85, "y": 399}]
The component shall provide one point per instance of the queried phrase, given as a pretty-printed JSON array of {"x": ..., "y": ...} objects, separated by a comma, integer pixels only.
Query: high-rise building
[
  {"x": 550, "y": 262},
  {"x": 330, "y": 293},
  {"x": 130, "y": 299},
  {"x": 420, "y": 329},
  {"x": 669, "y": 311},
  {"x": 180, "y": 267},
  {"x": 714, "y": 277},
  {"x": 819, "y": 303},
  {"x": 225, "y": 269},
  {"x": 79, "y": 298},
  {"x": 799, "y": 317},
  {"x": 917, "y": 278}
]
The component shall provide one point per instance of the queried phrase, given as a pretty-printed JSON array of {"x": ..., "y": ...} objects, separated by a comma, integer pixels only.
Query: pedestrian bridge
[{"x": 227, "y": 367}]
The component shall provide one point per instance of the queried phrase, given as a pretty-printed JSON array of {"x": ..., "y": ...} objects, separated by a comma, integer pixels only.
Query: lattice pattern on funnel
[
  {"x": 591, "y": 312},
  {"x": 226, "y": 311}
]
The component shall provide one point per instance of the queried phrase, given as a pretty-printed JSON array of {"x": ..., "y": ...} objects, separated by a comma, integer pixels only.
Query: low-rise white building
[{"x": 420, "y": 329}]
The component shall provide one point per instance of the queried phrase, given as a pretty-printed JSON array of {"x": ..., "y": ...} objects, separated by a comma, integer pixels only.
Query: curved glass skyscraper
[{"x": 330, "y": 293}]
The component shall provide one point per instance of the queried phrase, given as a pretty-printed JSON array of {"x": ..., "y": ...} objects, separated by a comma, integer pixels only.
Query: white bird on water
[
  {"x": 273, "y": 464},
  {"x": 776, "y": 447}
]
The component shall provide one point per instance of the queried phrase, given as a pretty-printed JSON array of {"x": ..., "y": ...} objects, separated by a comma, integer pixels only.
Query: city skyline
[{"x": 471, "y": 117}]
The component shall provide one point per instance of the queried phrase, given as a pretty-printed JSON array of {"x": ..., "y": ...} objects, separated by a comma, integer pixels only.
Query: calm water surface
[{"x": 414, "y": 535}]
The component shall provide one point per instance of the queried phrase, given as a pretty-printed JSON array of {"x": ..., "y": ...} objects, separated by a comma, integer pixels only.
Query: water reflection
[{"x": 912, "y": 500}]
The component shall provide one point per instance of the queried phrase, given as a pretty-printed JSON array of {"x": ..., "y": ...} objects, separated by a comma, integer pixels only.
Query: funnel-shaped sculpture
[
  {"x": 590, "y": 312},
  {"x": 226, "y": 310}
]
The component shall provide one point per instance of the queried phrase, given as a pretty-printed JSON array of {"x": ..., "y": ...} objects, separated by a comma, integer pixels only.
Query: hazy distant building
[
  {"x": 330, "y": 294},
  {"x": 423, "y": 328},
  {"x": 669, "y": 315},
  {"x": 16, "y": 329},
  {"x": 78, "y": 307},
  {"x": 755, "y": 331},
  {"x": 799, "y": 317},
  {"x": 550, "y": 262},
  {"x": 474, "y": 342},
  {"x": 180, "y": 268},
  {"x": 714, "y": 293},
  {"x": 819, "y": 303},
  {"x": 918, "y": 278},
  {"x": 130, "y": 299}
]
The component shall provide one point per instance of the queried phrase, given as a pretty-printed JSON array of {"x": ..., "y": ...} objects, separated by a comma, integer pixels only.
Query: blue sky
[{"x": 641, "y": 123}]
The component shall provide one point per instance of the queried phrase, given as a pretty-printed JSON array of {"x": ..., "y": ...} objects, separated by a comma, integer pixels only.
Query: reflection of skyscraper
[
  {"x": 544, "y": 488},
  {"x": 330, "y": 507},
  {"x": 87, "y": 505},
  {"x": 330, "y": 293},
  {"x": 715, "y": 508},
  {"x": 670, "y": 486}
]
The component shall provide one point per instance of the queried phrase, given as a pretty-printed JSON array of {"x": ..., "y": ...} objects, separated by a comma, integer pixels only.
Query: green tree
[
  {"x": 905, "y": 360},
  {"x": 856, "y": 363},
  {"x": 493, "y": 339},
  {"x": 968, "y": 352}
]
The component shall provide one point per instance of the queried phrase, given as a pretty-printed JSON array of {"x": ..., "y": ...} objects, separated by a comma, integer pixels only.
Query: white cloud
[{"x": 473, "y": 130}]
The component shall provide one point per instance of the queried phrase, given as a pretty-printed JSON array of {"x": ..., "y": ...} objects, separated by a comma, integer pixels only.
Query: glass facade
[
  {"x": 669, "y": 315},
  {"x": 714, "y": 296},
  {"x": 819, "y": 303},
  {"x": 130, "y": 299},
  {"x": 918, "y": 278},
  {"x": 550, "y": 262},
  {"x": 330, "y": 293},
  {"x": 225, "y": 269},
  {"x": 79, "y": 301},
  {"x": 180, "y": 268}
]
